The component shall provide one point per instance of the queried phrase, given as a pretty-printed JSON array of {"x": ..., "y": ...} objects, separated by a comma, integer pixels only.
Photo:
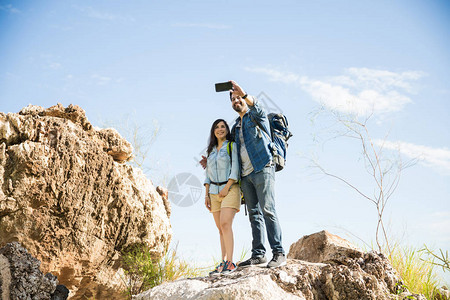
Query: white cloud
[
  {"x": 285, "y": 77},
  {"x": 437, "y": 158},
  {"x": 95, "y": 14},
  {"x": 384, "y": 80},
  {"x": 54, "y": 65},
  {"x": 10, "y": 75},
  {"x": 360, "y": 90},
  {"x": 202, "y": 25},
  {"x": 442, "y": 214},
  {"x": 9, "y": 8},
  {"x": 101, "y": 80}
]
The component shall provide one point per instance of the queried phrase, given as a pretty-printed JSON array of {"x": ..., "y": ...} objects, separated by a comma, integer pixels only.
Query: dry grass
[{"x": 418, "y": 274}]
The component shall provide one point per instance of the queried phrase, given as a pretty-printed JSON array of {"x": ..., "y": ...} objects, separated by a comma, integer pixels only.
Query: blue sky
[{"x": 157, "y": 62}]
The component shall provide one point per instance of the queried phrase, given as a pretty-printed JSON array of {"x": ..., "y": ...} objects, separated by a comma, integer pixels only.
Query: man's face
[{"x": 238, "y": 103}]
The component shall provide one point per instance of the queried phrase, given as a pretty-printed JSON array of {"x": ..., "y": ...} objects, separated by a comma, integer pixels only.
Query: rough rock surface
[
  {"x": 20, "y": 276},
  {"x": 323, "y": 247},
  {"x": 67, "y": 197},
  {"x": 443, "y": 293},
  {"x": 338, "y": 271}
]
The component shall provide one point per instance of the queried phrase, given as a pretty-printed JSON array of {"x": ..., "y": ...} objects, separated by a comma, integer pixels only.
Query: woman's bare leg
[
  {"x": 216, "y": 216},
  {"x": 226, "y": 221}
]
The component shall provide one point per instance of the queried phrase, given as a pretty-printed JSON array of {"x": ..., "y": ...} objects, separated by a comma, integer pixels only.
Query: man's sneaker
[
  {"x": 253, "y": 261},
  {"x": 278, "y": 260},
  {"x": 217, "y": 270},
  {"x": 228, "y": 268}
]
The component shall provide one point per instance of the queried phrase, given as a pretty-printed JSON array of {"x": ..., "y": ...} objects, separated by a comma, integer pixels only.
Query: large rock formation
[
  {"x": 321, "y": 266},
  {"x": 67, "y": 197}
]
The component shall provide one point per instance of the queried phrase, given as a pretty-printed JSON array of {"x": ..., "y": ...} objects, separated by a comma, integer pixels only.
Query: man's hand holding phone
[
  {"x": 224, "y": 86},
  {"x": 237, "y": 90}
]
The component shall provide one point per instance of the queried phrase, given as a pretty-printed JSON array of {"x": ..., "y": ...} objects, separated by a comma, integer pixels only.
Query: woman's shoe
[
  {"x": 228, "y": 268},
  {"x": 218, "y": 269}
]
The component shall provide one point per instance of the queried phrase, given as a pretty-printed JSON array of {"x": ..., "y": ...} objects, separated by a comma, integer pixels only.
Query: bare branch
[
  {"x": 344, "y": 181},
  {"x": 384, "y": 170}
]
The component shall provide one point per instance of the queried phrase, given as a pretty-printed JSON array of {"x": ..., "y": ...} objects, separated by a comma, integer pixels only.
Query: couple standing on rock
[{"x": 243, "y": 154}]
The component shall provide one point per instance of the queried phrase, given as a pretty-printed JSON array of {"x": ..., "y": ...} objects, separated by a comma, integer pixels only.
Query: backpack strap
[
  {"x": 269, "y": 135},
  {"x": 229, "y": 149}
]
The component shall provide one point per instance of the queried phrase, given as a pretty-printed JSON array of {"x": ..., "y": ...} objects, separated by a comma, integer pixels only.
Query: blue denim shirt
[
  {"x": 258, "y": 143},
  {"x": 219, "y": 168}
]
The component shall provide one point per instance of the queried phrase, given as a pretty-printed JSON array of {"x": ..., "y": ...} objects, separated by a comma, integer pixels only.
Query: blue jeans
[{"x": 259, "y": 194}]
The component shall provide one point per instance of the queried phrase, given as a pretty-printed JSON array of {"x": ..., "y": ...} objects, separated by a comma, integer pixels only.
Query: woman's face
[{"x": 220, "y": 131}]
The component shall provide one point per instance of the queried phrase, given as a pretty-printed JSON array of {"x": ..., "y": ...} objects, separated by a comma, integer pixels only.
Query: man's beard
[{"x": 239, "y": 108}]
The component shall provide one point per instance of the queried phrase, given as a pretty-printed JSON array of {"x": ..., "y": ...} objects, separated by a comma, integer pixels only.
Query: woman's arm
[
  {"x": 207, "y": 179},
  {"x": 207, "y": 199},
  {"x": 234, "y": 174},
  {"x": 226, "y": 188}
]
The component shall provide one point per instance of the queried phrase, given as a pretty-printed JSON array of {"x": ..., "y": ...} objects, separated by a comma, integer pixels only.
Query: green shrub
[{"x": 143, "y": 271}]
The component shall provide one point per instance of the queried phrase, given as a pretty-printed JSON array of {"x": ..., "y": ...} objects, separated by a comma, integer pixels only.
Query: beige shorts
[{"x": 233, "y": 199}]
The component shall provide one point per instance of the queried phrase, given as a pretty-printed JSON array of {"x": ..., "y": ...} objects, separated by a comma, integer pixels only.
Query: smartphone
[{"x": 224, "y": 86}]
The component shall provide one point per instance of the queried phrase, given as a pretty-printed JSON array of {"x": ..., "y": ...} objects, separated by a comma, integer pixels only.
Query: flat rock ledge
[{"x": 339, "y": 271}]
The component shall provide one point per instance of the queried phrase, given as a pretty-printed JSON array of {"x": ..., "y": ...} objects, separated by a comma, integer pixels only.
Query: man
[{"x": 257, "y": 177}]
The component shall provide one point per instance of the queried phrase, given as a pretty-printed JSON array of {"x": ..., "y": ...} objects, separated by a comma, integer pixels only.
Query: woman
[{"x": 223, "y": 197}]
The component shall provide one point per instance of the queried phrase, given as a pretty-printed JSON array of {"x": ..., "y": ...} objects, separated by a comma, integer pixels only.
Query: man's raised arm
[{"x": 238, "y": 91}]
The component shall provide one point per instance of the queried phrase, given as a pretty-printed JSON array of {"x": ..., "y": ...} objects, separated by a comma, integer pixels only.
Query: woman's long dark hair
[{"x": 212, "y": 137}]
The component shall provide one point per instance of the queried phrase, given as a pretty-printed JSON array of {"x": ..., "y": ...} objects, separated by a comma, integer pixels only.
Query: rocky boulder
[
  {"x": 21, "y": 278},
  {"x": 67, "y": 196},
  {"x": 337, "y": 270},
  {"x": 323, "y": 247}
]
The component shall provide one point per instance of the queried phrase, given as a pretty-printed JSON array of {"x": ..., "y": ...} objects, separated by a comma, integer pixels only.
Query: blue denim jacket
[
  {"x": 257, "y": 142},
  {"x": 219, "y": 168}
]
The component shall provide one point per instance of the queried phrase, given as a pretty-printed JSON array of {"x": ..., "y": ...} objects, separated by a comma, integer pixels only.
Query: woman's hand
[
  {"x": 208, "y": 202},
  {"x": 224, "y": 192}
]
